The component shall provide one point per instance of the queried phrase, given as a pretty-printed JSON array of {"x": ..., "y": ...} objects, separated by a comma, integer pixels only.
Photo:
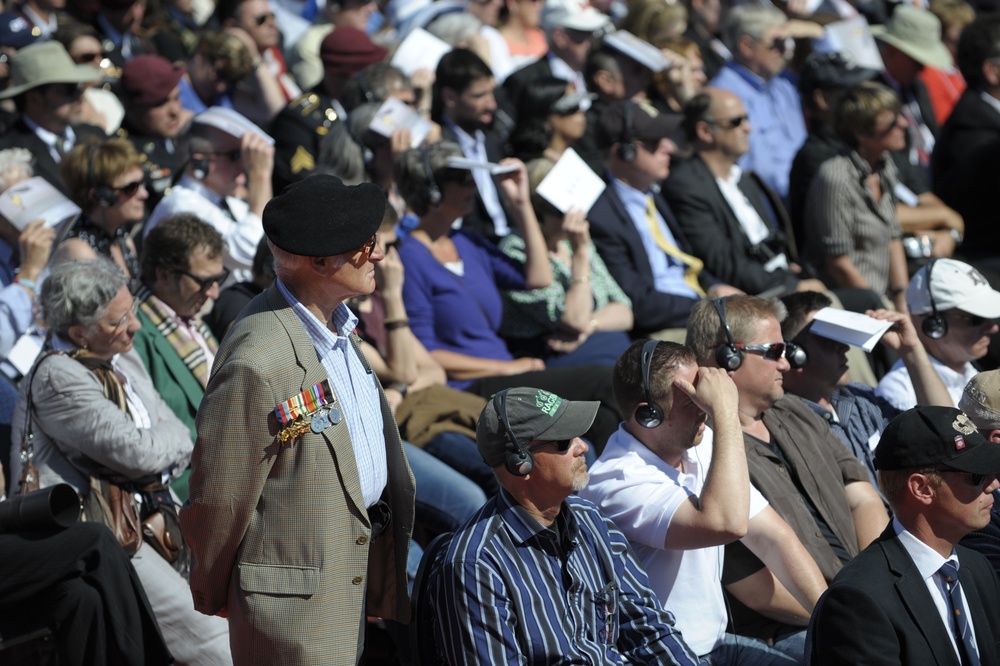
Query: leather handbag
[{"x": 115, "y": 506}]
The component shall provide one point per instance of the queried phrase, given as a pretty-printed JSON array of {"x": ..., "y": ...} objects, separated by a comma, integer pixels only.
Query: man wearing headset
[
  {"x": 954, "y": 310},
  {"x": 228, "y": 154},
  {"x": 855, "y": 414},
  {"x": 793, "y": 458},
  {"x": 536, "y": 574},
  {"x": 681, "y": 491}
]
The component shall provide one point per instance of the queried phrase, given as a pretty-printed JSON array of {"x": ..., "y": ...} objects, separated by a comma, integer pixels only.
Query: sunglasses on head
[
  {"x": 562, "y": 445},
  {"x": 772, "y": 351},
  {"x": 130, "y": 189},
  {"x": 263, "y": 18},
  {"x": 205, "y": 283}
]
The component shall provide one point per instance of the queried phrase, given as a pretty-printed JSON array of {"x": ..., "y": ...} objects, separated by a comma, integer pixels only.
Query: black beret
[{"x": 322, "y": 217}]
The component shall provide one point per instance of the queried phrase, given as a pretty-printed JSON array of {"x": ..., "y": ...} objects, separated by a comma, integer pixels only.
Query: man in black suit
[
  {"x": 46, "y": 86},
  {"x": 913, "y": 596},
  {"x": 636, "y": 232},
  {"x": 116, "y": 24},
  {"x": 464, "y": 105},
  {"x": 975, "y": 120},
  {"x": 736, "y": 224}
]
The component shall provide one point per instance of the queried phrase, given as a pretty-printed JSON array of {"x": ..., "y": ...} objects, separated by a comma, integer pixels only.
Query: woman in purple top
[{"x": 454, "y": 278}]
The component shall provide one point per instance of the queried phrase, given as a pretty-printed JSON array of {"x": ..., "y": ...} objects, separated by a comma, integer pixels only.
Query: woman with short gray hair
[{"x": 89, "y": 409}]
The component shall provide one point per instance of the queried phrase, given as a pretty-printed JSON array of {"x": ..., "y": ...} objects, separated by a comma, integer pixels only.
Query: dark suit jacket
[
  {"x": 21, "y": 136},
  {"x": 479, "y": 219},
  {"x": 705, "y": 217},
  {"x": 972, "y": 123},
  {"x": 621, "y": 248},
  {"x": 971, "y": 189},
  {"x": 878, "y": 611}
]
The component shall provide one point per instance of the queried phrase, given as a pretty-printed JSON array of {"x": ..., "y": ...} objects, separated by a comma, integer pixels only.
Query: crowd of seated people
[{"x": 750, "y": 178}]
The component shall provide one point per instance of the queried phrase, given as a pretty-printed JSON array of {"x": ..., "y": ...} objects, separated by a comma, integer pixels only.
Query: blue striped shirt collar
[
  {"x": 525, "y": 527},
  {"x": 325, "y": 339}
]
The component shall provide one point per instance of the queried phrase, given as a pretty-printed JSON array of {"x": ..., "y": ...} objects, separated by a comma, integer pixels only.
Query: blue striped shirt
[
  {"x": 355, "y": 389},
  {"x": 510, "y": 591}
]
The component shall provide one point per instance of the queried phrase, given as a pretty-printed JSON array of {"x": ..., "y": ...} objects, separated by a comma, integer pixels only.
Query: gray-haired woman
[{"x": 94, "y": 411}]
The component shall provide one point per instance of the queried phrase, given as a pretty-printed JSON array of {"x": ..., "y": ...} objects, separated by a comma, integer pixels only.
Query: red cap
[
  {"x": 348, "y": 51},
  {"x": 147, "y": 80}
]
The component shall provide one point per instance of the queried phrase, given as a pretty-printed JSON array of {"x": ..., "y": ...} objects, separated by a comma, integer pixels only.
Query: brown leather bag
[{"x": 116, "y": 507}]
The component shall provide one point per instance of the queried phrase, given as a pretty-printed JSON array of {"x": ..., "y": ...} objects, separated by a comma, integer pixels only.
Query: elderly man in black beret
[
  {"x": 301, "y": 503},
  {"x": 914, "y": 596}
]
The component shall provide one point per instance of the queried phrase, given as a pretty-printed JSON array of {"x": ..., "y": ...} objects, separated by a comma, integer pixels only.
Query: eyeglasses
[
  {"x": 87, "y": 58},
  {"x": 772, "y": 351},
  {"x": 368, "y": 248},
  {"x": 974, "y": 321},
  {"x": 234, "y": 155},
  {"x": 263, "y": 18},
  {"x": 562, "y": 445},
  {"x": 206, "y": 283},
  {"x": 463, "y": 177},
  {"x": 891, "y": 126},
  {"x": 981, "y": 481},
  {"x": 779, "y": 44},
  {"x": 126, "y": 318},
  {"x": 130, "y": 189},
  {"x": 729, "y": 123}
]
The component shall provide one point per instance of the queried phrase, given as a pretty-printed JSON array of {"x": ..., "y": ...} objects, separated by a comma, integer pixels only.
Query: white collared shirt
[
  {"x": 928, "y": 562},
  {"x": 50, "y": 139},
  {"x": 753, "y": 226},
  {"x": 561, "y": 70},
  {"x": 474, "y": 148},
  {"x": 897, "y": 386}
]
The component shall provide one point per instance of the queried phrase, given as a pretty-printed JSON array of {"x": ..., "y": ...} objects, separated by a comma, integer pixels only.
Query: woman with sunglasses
[
  {"x": 453, "y": 283},
  {"x": 107, "y": 182},
  {"x": 92, "y": 411},
  {"x": 550, "y": 119},
  {"x": 852, "y": 234}
]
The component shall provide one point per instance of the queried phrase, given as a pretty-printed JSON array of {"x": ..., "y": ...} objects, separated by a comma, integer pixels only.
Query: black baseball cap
[
  {"x": 615, "y": 124},
  {"x": 926, "y": 436},
  {"x": 825, "y": 71}
]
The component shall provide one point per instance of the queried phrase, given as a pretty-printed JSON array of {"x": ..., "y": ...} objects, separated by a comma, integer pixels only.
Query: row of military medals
[{"x": 313, "y": 410}]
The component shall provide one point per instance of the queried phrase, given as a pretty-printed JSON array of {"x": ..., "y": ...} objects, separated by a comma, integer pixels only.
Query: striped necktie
[
  {"x": 692, "y": 265},
  {"x": 963, "y": 632}
]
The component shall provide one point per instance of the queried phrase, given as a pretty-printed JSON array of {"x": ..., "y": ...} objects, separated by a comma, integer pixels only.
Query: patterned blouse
[
  {"x": 101, "y": 241},
  {"x": 536, "y": 312}
]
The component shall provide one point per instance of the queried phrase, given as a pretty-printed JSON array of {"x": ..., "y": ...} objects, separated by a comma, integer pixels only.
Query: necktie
[
  {"x": 692, "y": 265},
  {"x": 963, "y": 632}
]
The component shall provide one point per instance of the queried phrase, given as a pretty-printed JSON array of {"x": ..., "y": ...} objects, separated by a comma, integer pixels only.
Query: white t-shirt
[{"x": 641, "y": 493}]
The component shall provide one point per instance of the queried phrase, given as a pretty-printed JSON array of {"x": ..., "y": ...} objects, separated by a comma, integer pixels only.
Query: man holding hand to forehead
[
  {"x": 538, "y": 576},
  {"x": 914, "y": 596}
]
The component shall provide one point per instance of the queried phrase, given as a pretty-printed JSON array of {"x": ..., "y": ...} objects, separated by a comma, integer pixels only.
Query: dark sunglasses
[
  {"x": 130, "y": 189},
  {"x": 393, "y": 245},
  {"x": 68, "y": 90},
  {"x": 204, "y": 284},
  {"x": 460, "y": 176},
  {"x": 973, "y": 320},
  {"x": 772, "y": 351},
  {"x": 562, "y": 445},
  {"x": 980, "y": 481},
  {"x": 263, "y": 18},
  {"x": 87, "y": 58},
  {"x": 729, "y": 123},
  {"x": 232, "y": 155},
  {"x": 778, "y": 44}
]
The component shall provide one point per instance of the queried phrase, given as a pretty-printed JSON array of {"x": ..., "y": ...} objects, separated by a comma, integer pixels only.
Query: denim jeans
[
  {"x": 460, "y": 453},
  {"x": 444, "y": 497}
]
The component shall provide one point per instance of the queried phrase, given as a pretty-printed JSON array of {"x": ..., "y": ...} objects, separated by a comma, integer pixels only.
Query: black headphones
[
  {"x": 728, "y": 356},
  {"x": 433, "y": 191},
  {"x": 935, "y": 326},
  {"x": 626, "y": 149},
  {"x": 102, "y": 195},
  {"x": 519, "y": 461},
  {"x": 796, "y": 355},
  {"x": 199, "y": 167},
  {"x": 649, "y": 415}
]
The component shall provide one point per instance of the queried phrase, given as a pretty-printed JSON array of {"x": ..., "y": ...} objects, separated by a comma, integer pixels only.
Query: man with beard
[
  {"x": 954, "y": 310},
  {"x": 464, "y": 104},
  {"x": 537, "y": 575}
]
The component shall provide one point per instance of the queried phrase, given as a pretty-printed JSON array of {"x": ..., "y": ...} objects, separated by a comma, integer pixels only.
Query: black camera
[{"x": 55, "y": 507}]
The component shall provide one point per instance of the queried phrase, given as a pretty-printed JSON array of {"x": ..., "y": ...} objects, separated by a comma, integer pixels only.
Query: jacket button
[
  {"x": 362, "y": 540},
  {"x": 358, "y": 580}
]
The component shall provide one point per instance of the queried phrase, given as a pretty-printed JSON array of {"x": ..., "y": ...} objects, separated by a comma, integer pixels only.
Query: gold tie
[{"x": 692, "y": 265}]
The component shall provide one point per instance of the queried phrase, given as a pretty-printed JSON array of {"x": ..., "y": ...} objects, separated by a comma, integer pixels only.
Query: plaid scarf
[{"x": 186, "y": 346}]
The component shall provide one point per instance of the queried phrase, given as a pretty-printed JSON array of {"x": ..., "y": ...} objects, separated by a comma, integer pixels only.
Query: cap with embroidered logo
[{"x": 926, "y": 436}]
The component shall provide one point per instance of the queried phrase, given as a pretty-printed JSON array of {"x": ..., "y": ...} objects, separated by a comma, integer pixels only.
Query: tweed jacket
[
  {"x": 878, "y": 611},
  {"x": 171, "y": 377},
  {"x": 280, "y": 536}
]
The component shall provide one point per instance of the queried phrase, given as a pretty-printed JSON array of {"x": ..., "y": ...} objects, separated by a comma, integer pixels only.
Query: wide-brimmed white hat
[
  {"x": 917, "y": 33},
  {"x": 44, "y": 63}
]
